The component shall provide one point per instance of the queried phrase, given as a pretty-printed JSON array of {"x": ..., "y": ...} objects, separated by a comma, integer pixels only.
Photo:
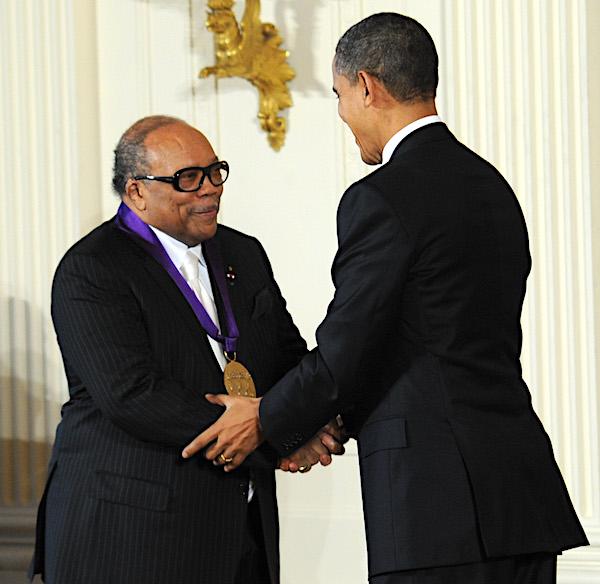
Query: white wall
[{"x": 516, "y": 82}]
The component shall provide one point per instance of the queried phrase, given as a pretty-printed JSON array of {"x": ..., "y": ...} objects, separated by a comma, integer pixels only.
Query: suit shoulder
[
  {"x": 105, "y": 244},
  {"x": 378, "y": 188},
  {"x": 230, "y": 234},
  {"x": 426, "y": 174},
  {"x": 101, "y": 240},
  {"x": 232, "y": 238}
]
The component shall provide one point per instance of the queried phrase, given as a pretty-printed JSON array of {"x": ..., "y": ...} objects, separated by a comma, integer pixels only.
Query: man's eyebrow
[{"x": 334, "y": 90}]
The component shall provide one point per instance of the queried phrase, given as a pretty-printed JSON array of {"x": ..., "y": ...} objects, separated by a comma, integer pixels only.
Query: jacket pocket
[
  {"x": 386, "y": 434},
  {"x": 130, "y": 491}
]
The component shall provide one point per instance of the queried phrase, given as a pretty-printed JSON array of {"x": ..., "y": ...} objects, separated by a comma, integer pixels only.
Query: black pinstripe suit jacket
[{"x": 121, "y": 505}]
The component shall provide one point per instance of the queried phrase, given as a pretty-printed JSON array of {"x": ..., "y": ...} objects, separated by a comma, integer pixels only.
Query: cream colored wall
[
  {"x": 516, "y": 81},
  {"x": 39, "y": 219}
]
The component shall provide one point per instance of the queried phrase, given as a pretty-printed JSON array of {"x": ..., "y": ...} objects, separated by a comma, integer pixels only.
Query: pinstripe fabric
[{"x": 121, "y": 505}]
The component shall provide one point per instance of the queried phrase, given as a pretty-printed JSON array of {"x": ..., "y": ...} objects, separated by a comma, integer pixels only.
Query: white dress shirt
[
  {"x": 177, "y": 250},
  {"x": 389, "y": 148}
]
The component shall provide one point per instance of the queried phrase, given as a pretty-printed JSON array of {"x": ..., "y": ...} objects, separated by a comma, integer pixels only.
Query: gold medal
[{"x": 238, "y": 380}]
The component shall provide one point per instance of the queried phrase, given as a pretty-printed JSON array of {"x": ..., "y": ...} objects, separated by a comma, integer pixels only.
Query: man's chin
[
  {"x": 370, "y": 160},
  {"x": 199, "y": 235},
  {"x": 209, "y": 232}
]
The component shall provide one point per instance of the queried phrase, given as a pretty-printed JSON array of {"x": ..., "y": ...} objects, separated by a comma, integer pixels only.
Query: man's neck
[{"x": 398, "y": 117}]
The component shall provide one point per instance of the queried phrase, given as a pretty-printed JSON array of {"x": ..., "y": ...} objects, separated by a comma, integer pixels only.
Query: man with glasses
[{"x": 149, "y": 308}]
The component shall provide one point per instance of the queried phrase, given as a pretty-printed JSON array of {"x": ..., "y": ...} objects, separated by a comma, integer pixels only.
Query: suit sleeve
[
  {"x": 103, "y": 340},
  {"x": 369, "y": 270},
  {"x": 291, "y": 348}
]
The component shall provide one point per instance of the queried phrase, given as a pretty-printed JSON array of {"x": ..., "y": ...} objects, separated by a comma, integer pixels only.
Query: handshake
[
  {"x": 329, "y": 440},
  {"x": 238, "y": 432}
]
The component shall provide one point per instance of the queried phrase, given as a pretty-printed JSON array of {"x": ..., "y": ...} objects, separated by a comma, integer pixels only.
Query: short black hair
[{"x": 394, "y": 48}]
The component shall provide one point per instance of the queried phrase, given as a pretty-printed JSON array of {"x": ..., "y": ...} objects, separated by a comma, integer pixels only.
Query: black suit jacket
[
  {"x": 121, "y": 505},
  {"x": 419, "y": 351}
]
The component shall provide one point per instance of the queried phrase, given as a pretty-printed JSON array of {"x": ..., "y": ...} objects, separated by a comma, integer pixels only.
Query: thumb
[{"x": 219, "y": 399}]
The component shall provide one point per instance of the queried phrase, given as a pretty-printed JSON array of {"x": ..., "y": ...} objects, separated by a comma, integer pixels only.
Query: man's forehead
[
  {"x": 176, "y": 138},
  {"x": 177, "y": 133}
]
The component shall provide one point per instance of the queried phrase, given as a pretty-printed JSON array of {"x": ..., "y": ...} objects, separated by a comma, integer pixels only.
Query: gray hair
[
  {"x": 130, "y": 153},
  {"x": 394, "y": 48}
]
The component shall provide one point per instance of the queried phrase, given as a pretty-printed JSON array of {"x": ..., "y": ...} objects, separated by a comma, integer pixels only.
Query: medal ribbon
[{"x": 131, "y": 224}]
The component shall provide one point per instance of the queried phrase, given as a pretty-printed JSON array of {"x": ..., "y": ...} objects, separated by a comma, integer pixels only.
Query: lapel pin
[{"x": 230, "y": 275}]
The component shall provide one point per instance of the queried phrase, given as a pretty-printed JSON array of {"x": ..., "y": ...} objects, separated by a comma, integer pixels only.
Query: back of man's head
[{"x": 394, "y": 48}]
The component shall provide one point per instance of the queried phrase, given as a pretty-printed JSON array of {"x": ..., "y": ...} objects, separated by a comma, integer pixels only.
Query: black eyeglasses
[{"x": 190, "y": 179}]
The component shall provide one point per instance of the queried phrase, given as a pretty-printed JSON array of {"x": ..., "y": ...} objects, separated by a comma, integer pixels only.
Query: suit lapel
[
  {"x": 175, "y": 299},
  {"x": 233, "y": 291},
  {"x": 240, "y": 294}
]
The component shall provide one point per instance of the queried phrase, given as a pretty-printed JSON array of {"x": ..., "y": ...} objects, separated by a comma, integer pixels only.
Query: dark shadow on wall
[
  {"x": 23, "y": 471},
  {"x": 27, "y": 416},
  {"x": 302, "y": 52}
]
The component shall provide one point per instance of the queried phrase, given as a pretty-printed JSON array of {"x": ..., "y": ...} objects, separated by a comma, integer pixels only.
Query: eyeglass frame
[{"x": 174, "y": 180}]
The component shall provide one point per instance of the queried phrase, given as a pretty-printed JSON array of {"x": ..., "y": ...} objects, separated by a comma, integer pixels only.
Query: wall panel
[
  {"x": 39, "y": 220},
  {"x": 49, "y": 195},
  {"x": 514, "y": 86}
]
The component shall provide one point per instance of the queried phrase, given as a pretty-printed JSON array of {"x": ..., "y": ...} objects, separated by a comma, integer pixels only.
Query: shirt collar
[
  {"x": 176, "y": 249},
  {"x": 389, "y": 148}
]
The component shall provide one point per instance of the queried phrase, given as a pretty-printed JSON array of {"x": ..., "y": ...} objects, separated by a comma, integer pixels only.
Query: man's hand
[
  {"x": 306, "y": 456},
  {"x": 326, "y": 442},
  {"x": 333, "y": 435},
  {"x": 237, "y": 432}
]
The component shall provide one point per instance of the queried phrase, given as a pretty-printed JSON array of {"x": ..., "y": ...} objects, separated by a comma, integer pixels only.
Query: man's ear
[
  {"x": 135, "y": 195},
  {"x": 374, "y": 92},
  {"x": 368, "y": 86}
]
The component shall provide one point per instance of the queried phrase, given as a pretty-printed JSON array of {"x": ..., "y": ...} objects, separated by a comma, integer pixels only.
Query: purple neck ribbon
[{"x": 131, "y": 224}]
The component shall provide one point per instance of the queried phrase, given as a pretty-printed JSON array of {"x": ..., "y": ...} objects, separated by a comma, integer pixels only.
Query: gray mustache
[{"x": 205, "y": 208}]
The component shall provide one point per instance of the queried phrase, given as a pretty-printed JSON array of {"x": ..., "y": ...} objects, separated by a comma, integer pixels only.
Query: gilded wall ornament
[{"x": 250, "y": 50}]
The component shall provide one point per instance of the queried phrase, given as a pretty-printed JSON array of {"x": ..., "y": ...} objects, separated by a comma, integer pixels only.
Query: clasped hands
[
  {"x": 327, "y": 441},
  {"x": 237, "y": 433}
]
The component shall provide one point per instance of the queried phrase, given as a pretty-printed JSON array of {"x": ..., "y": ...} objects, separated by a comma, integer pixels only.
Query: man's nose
[{"x": 208, "y": 189}]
